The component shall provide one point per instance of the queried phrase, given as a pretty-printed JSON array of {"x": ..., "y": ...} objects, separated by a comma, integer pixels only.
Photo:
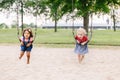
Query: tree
[
  {"x": 35, "y": 7},
  {"x": 83, "y": 7},
  {"x": 14, "y": 24},
  {"x": 86, "y": 7},
  {"x": 113, "y": 14},
  {"x": 8, "y": 5},
  {"x": 54, "y": 7},
  {"x": 3, "y": 26},
  {"x": 59, "y": 8},
  {"x": 15, "y": 5},
  {"x": 46, "y": 7}
]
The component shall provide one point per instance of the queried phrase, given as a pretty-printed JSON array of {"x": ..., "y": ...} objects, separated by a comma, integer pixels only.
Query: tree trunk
[
  {"x": 22, "y": 16},
  {"x": 114, "y": 20},
  {"x": 86, "y": 22},
  {"x": 56, "y": 21},
  {"x": 17, "y": 20}
]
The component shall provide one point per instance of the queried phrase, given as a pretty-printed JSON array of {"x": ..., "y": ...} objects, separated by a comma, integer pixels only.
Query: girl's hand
[
  {"x": 78, "y": 42},
  {"x": 22, "y": 43},
  {"x": 83, "y": 43},
  {"x": 28, "y": 44}
]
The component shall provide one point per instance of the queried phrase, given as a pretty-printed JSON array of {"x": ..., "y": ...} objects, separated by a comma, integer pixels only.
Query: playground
[
  {"x": 59, "y": 64},
  {"x": 50, "y": 32}
]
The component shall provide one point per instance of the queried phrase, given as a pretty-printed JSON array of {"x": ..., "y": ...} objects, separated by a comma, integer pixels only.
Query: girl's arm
[
  {"x": 30, "y": 43},
  {"x": 31, "y": 40},
  {"x": 22, "y": 43},
  {"x": 21, "y": 40},
  {"x": 85, "y": 40},
  {"x": 77, "y": 39},
  {"x": 83, "y": 43}
]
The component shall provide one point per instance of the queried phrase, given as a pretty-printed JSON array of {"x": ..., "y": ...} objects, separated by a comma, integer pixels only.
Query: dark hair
[{"x": 29, "y": 30}]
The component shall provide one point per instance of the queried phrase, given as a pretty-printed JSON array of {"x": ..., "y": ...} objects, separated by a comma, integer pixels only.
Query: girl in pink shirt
[{"x": 26, "y": 43}]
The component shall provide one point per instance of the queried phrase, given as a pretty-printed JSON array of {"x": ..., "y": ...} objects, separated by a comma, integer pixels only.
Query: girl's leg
[
  {"x": 28, "y": 57},
  {"x": 79, "y": 58},
  {"x": 21, "y": 54},
  {"x": 82, "y": 57}
]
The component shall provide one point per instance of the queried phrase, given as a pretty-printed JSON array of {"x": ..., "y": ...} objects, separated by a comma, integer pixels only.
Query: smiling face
[{"x": 26, "y": 34}]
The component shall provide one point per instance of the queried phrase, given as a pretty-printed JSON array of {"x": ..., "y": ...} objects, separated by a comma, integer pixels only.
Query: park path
[{"x": 60, "y": 64}]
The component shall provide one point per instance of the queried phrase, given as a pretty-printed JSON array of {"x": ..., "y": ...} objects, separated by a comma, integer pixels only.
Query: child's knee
[{"x": 28, "y": 54}]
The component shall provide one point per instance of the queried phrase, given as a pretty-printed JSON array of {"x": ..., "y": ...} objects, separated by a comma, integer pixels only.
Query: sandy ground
[{"x": 59, "y": 64}]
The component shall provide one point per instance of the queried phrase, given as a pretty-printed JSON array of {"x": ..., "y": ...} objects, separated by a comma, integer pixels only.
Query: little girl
[
  {"x": 26, "y": 43},
  {"x": 81, "y": 44}
]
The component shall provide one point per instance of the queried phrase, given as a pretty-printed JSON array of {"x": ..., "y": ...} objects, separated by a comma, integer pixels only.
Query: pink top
[{"x": 26, "y": 40}]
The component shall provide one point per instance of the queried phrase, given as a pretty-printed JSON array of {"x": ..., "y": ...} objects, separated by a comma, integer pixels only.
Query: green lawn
[
  {"x": 63, "y": 37},
  {"x": 106, "y": 37}
]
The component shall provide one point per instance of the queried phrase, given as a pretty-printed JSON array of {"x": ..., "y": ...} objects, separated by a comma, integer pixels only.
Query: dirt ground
[{"x": 59, "y": 64}]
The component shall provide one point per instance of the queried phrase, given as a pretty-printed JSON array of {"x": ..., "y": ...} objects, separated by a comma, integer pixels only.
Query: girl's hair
[
  {"x": 29, "y": 30},
  {"x": 82, "y": 30}
]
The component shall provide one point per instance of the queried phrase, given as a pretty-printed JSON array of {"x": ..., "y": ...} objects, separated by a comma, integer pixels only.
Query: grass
[
  {"x": 8, "y": 36},
  {"x": 62, "y": 38},
  {"x": 106, "y": 37}
]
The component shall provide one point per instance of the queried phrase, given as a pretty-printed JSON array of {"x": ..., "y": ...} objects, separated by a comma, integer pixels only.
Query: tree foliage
[{"x": 56, "y": 9}]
